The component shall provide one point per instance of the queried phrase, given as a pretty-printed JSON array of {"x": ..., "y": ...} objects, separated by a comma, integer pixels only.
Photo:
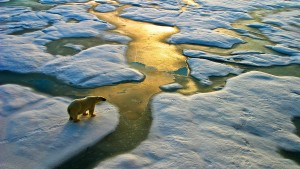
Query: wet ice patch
[
  {"x": 36, "y": 132},
  {"x": 202, "y": 69},
  {"x": 241, "y": 126},
  {"x": 96, "y": 66},
  {"x": 74, "y": 46}
]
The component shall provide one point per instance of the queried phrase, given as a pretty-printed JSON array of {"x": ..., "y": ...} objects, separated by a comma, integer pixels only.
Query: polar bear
[{"x": 80, "y": 106}]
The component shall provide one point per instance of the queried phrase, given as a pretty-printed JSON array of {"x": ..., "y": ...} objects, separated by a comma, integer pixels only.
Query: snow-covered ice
[
  {"x": 247, "y": 58},
  {"x": 36, "y": 132},
  {"x": 20, "y": 54},
  {"x": 205, "y": 37},
  {"x": 61, "y": 1},
  {"x": 171, "y": 87},
  {"x": 96, "y": 66},
  {"x": 202, "y": 69},
  {"x": 241, "y": 126},
  {"x": 105, "y": 8},
  {"x": 93, "y": 67},
  {"x": 284, "y": 50},
  {"x": 282, "y": 27}
]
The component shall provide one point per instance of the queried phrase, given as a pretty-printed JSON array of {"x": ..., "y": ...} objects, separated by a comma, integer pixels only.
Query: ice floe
[
  {"x": 61, "y": 1},
  {"x": 20, "y": 54},
  {"x": 105, "y": 8},
  {"x": 246, "y": 58},
  {"x": 284, "y": 50},
  {"x": 241, "y": 126},
  {"x": 282, "y": 28},
  {"x": 171, "y": 87},
  {"x": 96, "y": 66},
  {"x": 202, "y": 69},
  {"x": 36, "y": 131},
  {"x": 205, "y": 37}
]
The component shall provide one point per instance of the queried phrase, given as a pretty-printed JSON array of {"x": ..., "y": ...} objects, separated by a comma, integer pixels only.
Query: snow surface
[
  {"x": 247, "y": 58},
  {"x": 282, "y": 30},
  {"x": 202, "y": 69},
  {"x": 20, "y": 54},
  {"x": 60, "y": 1},
  {"x": 96, "y": 66},
  {"x": 171, "y": 87},
  {"x": 284, "y": 50},
  {"x": 240, "y": 126},
  {"x": 105, "y": 8},
  {"x": 90, "y": 68},
  {"x": 36, "y": 132}
]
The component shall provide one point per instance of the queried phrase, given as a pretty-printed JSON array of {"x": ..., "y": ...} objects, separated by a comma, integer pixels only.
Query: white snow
[
  {"x": 20, "y": 54},
  {"x": 171, "y": 87},
  {"x": 96, "y": 66},
  {"x": 27, "y": 53},
  {"x": 205, "y": 37},
  {"x": 246, "y": 58},
  {"x": 284, "y": 50},
  {"x": 36, "y": 132},
  {"x": 105, "y": 8},
  {"x": 202, "y": 69},
  {"x": 240, "y": 126},
  {"x": 283, "y": 28},
  {"x": 60, "y": 1}
]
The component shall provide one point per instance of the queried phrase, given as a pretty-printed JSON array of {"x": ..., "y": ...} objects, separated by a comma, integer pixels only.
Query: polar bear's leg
[
  {"x": 91, "y": 110},
  {"x": 85, "y": 113},
  {"x": 74, "y": 115},
  {"x": 75, "y": 119}
]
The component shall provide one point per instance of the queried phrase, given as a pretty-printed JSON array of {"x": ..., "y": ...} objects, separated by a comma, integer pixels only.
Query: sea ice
[
  {"x": 36, "y": 132},
  {"x": 60, "y": 1},
  {"x": 205, "y": 37},
  {"x": 246, "y": 58},
  {"x": 283, "y": 28},
  {"x": 284, "y": 50},
  {"x": 241, "y": 126},
  {"x": 171, "y": 87},
  {"x": 105, "y": 8},
  {"x": 202, "y": 69},
  {"x": 20, "y": 54},
  {"x": 96, "y": 66}
]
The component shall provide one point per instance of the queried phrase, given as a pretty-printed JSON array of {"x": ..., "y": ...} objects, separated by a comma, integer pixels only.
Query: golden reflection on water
[
  {"x": 155, "y": 58},
  {"x": 148, "y": 46}
]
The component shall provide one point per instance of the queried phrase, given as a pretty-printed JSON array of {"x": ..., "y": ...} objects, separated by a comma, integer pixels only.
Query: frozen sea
[{"x": 189, "y": 83}]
